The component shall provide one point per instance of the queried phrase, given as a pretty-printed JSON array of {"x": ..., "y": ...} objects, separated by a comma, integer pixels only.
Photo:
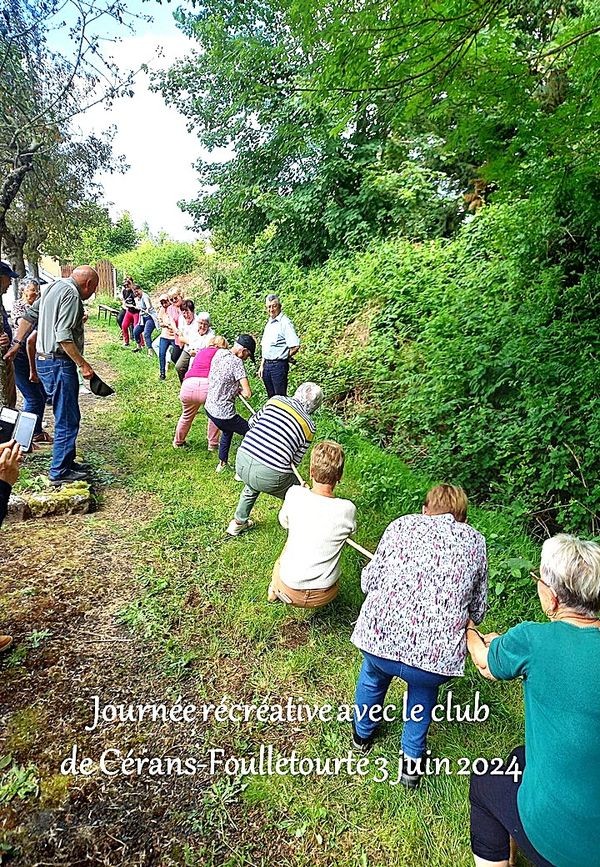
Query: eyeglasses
[{"x": 536, "y": 577}]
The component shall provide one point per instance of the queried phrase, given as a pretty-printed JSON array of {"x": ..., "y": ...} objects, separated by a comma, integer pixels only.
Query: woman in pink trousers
[{"x": 193, "y": 394}]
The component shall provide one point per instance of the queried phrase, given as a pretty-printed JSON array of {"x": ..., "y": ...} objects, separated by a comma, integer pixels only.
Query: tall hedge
[
  {"x": 477, "y": 359},
  {"x": 152, "y": 263}
]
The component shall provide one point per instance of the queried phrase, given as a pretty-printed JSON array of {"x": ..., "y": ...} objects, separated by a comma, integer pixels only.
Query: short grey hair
[
  {"x": 571, "y": 567},
  {"x": 273, "y": 297},
  {"x": 204, "y": 316},
  {"x": 310, "y": 395}
]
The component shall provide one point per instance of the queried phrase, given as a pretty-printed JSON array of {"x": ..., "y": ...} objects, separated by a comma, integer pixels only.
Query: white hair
[
  {"x": 571, "y": 567},
  {"x": 204, "y": 316},
  {"x": 310, "y": 395}
]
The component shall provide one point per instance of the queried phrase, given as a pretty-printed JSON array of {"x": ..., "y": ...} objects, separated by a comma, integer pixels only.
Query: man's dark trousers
[
  {"x": 60, "y": 380},
  {"x": 275, "y": 376}
]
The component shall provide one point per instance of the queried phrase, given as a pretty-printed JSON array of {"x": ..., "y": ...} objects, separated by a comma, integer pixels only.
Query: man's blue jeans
[
  {"x": 61, "y": 383},
  {"x": 163, "y": 347},
  {"x": 422, "y": 688},
  {"x": 34, "y": 396}
]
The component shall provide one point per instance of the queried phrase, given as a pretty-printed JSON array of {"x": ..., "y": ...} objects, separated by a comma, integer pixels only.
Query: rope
[{"x": 350, "y": 542}]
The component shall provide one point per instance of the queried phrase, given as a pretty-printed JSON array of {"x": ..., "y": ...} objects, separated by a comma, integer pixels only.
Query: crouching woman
[{"x": 307, "y": 572}]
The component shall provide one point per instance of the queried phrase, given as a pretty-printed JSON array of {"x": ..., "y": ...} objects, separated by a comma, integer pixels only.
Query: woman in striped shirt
[{"x": 279, "y": 436}]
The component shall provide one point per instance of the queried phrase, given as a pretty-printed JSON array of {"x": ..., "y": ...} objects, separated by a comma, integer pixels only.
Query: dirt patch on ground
[{"x": 65, "y": 582}]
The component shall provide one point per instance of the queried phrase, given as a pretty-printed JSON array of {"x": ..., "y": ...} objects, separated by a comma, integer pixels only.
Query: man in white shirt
[
  {"x": 279, "y": 343},
  {"x": 307, "y": 572}
]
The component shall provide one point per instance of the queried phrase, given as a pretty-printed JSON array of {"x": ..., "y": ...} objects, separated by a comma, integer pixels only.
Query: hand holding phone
[
  {"x": 25, "y": 429},
  {"x": 11, "y": 456}
]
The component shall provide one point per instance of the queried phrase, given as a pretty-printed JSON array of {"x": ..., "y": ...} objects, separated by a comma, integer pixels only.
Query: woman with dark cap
[{"x": 227, "y": 379}]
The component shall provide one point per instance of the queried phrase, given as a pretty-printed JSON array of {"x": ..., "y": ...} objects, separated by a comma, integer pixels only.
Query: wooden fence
[{"x": 106, "y": 272}]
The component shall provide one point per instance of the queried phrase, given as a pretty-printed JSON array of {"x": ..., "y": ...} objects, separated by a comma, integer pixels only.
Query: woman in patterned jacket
[{"x": 425, "y": 584}]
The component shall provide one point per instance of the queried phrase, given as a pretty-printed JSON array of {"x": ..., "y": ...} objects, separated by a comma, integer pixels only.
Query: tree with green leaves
[
  {"x": 348, "y": 121},
  {"x": 53, "y": 67}
]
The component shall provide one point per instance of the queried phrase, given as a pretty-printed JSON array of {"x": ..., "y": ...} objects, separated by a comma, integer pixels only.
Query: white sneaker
[
  {"x": 234, "y": 529},
  {"x": 238, "y": 478},
  {"x": 220, "y": 467}
]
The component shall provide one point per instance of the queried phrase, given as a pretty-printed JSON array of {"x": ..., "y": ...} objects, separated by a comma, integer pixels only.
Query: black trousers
[
  {"x": 495, "y": 817},
  {"x": 229, "y": 426},
  {"x": 275, "y": 376}
]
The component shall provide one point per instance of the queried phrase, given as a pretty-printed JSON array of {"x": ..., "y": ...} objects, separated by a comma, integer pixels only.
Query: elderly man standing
[
  {"x": 8, "y": 391},
  {"x": 59, "y": 316},
  {"x": 279, "y": 343}
]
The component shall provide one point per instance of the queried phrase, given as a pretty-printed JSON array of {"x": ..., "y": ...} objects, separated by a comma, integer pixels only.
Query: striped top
[{"x": 279, "y": 434}]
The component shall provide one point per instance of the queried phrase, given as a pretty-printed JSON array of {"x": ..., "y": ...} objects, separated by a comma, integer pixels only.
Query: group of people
[{"x": 425, "y": 589}]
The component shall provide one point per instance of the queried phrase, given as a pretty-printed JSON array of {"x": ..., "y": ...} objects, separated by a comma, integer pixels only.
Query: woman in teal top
[{"x": 548, "y": 799}]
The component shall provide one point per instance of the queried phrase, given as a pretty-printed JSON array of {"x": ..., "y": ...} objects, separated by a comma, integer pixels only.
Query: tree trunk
[{"x": 18, "y": 260}]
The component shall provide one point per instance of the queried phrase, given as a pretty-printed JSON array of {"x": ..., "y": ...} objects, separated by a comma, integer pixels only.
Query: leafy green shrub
[
  {"x": 152, "y": 263},
  {"x": 476, "y": 359}
]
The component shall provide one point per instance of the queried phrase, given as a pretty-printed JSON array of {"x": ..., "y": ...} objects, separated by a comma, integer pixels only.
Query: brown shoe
[
  {"x": 43, "y": 438},
  {"x": 5, "y": 642}
]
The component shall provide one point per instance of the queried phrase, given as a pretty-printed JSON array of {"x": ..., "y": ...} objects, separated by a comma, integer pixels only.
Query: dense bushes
[
  {"x": 476, "y": 359},
  {"x": 152, "y": 263}
]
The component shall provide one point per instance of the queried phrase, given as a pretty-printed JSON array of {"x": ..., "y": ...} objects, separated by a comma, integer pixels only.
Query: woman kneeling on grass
[
  {"x": 548, "y": 799},
  {"x": 194, "y": 389},
  {"x": 307, "y": 572},
  {"x": 426, "y": 582}
]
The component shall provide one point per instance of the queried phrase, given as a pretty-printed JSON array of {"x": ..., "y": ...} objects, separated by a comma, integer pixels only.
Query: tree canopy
[
  {"x": 54, "y": 65},
  {"x": 353, "y": 120}
]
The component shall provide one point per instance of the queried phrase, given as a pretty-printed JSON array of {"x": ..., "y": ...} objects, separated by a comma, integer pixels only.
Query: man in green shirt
[{"x": 59, "y": 316}]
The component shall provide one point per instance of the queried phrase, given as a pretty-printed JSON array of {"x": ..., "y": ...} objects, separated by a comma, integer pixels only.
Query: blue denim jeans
[
  {"x": 145, "y": 328},
  {"x": 374, "y": 679},
  {"x": 34, "y": 396},
  {"x": 163, "y": 348},
  {"x": 61, "y": 383},
  {"x": 275, "y": 377},
  {"x": 229, "y": 426}
]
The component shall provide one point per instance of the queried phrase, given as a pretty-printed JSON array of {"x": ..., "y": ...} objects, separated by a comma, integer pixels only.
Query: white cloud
[{"x": 153, "y": 140}]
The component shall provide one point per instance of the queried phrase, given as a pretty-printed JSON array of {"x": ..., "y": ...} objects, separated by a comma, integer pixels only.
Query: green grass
[{"x": 202, "y": 605}]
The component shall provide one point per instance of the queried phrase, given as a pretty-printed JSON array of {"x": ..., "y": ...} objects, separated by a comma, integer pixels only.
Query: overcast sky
[{"x": 151, "y": 136}]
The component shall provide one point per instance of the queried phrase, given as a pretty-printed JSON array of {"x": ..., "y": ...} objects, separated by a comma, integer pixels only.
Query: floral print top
[{"x": 427, "y": 578}]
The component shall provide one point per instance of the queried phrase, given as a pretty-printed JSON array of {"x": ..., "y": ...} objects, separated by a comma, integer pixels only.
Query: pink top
[
  {"x": 176, "y": 317},
  {"x": 202, "y": 362}
]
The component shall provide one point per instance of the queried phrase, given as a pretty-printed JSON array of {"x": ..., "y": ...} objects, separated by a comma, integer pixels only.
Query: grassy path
[{"x": 181, "y": 611}]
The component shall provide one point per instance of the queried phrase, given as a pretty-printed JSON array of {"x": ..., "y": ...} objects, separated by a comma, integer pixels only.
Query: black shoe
[
  {"x": 71, "y": 476},
  {"x": 411, "y": 774},
  {"x": 81, "y": 468},
  {"x": 361, "y": 745},
  {"x": 162, "y": 376}
]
